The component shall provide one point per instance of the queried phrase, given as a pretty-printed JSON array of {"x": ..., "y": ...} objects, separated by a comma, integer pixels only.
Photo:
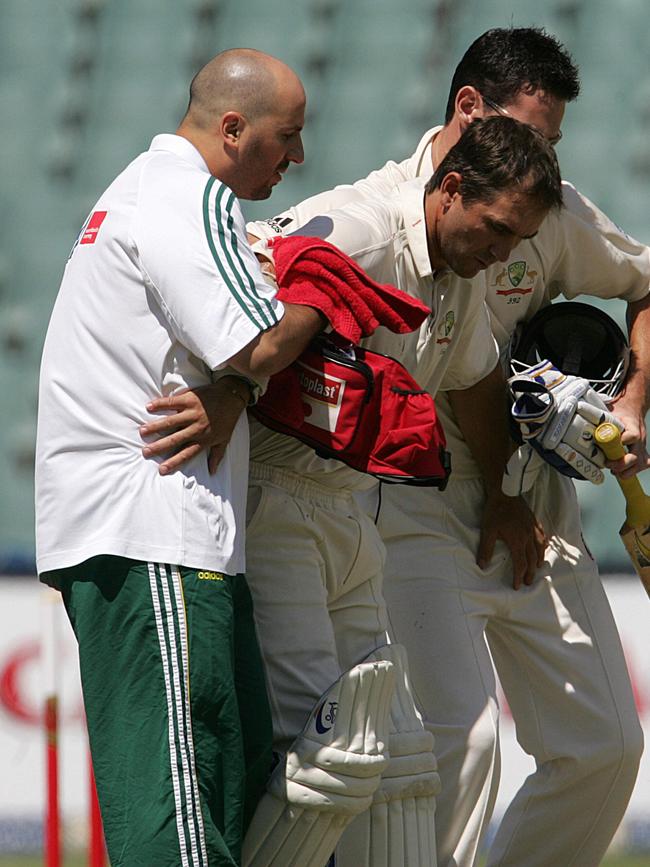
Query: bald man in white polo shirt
[{"x": 160, "y": 293}]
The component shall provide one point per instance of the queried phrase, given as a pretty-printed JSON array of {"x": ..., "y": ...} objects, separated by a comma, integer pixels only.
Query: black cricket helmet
[{"x": 579, "y": 339}]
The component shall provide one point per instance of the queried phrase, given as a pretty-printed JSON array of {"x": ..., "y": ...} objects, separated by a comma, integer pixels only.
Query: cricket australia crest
[
  {"x": 516, "y": 272},
  {"x": 520, "y": 279},
  {"x": 445, "y": 328}
]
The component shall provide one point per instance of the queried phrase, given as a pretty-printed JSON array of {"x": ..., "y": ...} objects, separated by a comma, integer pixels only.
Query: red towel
[{"x": 316, "y": 273}]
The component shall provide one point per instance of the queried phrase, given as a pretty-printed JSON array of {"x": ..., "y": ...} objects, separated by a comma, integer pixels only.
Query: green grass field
[{"x": 80, "y": 861}]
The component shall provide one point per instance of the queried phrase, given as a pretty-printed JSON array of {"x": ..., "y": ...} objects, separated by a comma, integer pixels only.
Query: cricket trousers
[
  {"x": 177, "y": 713},
  {"x": 558, "y": 655},
  {"x": 314, "y": 568}
]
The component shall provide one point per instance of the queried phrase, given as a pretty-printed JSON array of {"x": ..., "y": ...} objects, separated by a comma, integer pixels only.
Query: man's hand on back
[{"x": 195, "y": 419}]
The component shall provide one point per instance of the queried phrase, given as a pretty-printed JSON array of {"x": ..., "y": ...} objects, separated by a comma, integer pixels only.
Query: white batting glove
[{"x": 557, "y": 415}]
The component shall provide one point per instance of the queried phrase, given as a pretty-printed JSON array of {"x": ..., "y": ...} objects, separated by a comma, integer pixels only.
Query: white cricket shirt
[
  {"x": 578, "y": 250},
  {"x": 454, "y": 347},
  {"x": 160, "y": 290}
]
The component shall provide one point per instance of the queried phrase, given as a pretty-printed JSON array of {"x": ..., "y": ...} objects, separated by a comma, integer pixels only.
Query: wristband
[
  {"x": 236, "y": 393},
  {"x": 254, "y": 389}
]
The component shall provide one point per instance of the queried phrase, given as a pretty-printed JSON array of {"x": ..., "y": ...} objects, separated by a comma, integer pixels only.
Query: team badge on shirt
[
  {"x": 445, "y": 328},
  {"x": 516, "y": 272},
  {"x": 520, "y": 279}
]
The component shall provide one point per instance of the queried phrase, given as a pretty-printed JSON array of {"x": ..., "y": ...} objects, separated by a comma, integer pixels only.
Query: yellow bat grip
[{"x": 637, "y": 504}]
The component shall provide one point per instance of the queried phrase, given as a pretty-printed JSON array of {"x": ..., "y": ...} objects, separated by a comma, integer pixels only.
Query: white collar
[
  {"x": 180, "y": 146},
  {"x": 411, "y": 198},
  {"x": 424, "y": 166}
]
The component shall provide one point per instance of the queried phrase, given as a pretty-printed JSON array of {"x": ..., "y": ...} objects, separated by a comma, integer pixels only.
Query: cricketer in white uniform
[
  {"x": 315, "y": 560},
  {"x": 554, "y": 644}
]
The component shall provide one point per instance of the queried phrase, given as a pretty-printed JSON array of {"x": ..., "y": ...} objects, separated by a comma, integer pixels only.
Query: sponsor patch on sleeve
[{"x": 89, "y": 234}]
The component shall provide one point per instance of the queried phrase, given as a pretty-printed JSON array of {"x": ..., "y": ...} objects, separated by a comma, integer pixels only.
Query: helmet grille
[{"x": 579, "y": 339}]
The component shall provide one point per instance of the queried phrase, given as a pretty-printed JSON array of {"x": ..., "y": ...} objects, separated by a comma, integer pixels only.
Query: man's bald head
[
  {"x": 245, "y": 118},
  {"x": 242, "y": 80}
]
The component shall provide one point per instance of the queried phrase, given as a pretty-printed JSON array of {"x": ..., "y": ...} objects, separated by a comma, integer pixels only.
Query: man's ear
[
  {"x": 232, "y": 126},
  {"x": 468, "y": 105},
  {"x": 449, "y": 190}
]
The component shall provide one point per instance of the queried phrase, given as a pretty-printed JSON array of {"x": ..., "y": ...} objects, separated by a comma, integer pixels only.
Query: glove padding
[{"x": 557, "y": 415}]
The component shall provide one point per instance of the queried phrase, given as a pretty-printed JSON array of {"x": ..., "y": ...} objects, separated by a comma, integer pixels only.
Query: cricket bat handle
[{"x": 637, "y": 504}]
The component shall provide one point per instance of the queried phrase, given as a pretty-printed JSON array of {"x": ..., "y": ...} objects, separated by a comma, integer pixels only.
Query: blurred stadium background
[{"x": 85, "y": 84}]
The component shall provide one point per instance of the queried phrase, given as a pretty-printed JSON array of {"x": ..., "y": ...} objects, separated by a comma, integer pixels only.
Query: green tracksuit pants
[{"x": 176, "y": 705}]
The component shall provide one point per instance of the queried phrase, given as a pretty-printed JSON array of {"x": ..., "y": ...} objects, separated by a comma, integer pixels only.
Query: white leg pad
[
  {"x": 329, "y": 774},
  {"x": 399, "y": 828}
]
